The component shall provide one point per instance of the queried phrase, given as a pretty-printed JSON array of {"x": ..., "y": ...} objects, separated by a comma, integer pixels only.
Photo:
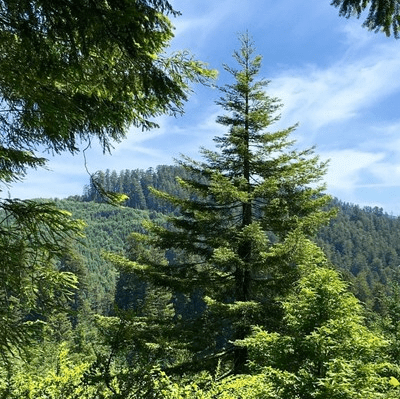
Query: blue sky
[{"x": 338, "y": 80}]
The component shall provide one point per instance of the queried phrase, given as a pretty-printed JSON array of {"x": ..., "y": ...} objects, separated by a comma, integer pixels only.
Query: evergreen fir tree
[{"x": 234, "y": 243}]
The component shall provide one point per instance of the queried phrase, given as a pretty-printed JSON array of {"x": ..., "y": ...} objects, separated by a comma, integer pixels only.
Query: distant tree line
[{"x": 135, "y": 184}]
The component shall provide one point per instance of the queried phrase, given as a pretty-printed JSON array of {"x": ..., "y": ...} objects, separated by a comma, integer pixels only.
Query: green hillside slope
[
  {"x": 363, "y": 243},
  {"x": 107, "y": 229}
]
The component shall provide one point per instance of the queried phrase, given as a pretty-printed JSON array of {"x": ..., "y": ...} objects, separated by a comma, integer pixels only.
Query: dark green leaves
[
  {"x": 382, "y": 15},
  {"x": 76, "y": 70},
  {"x": 32, "y": 236}
]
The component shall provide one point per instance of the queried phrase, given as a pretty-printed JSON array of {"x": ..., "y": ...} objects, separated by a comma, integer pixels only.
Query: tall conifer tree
[{"x": 233, "y": 243}]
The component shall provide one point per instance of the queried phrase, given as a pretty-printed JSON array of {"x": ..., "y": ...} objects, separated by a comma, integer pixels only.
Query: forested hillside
[
  {"x": 107, "y": 229},
  {"x": 109, "y": 331},
  {"x": 135, "y": 184},
  {"x": 363, "y": 243}
]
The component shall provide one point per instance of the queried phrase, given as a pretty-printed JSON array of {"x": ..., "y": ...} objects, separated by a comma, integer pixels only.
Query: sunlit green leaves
[{"x": 325, "y": 346}]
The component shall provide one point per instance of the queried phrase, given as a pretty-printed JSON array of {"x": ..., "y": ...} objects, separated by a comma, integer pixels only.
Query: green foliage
[
  {"x": 361, "y": 242},
  {"x": 382, "y": 15},
  {"x": 107, "y": 229},
  {"x": 55, "y": 364},
  {"x": 325, "y": 350},
  {"x": 232, "y": 254},
  {"x": 166, "y": 387},
  {"x": 136, "y": 185},
  {"x": 32, "y": 236},
  {"x": 389, "y": 322},
  {"x": 60, "y": 377}
]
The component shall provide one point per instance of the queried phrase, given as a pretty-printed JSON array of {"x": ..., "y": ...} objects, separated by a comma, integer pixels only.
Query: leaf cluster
[{"x": 382, "y": 15}]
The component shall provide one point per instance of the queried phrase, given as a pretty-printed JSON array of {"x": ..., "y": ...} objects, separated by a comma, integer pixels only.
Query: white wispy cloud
[
  {"x": 341, "y": 91},
  {"x": 199, "y": 22},
  {"x": 346, "y": 168}
]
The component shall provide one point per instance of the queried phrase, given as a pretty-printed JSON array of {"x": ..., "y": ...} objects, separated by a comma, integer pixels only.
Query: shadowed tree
[{"x": 71, "y": 72}]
